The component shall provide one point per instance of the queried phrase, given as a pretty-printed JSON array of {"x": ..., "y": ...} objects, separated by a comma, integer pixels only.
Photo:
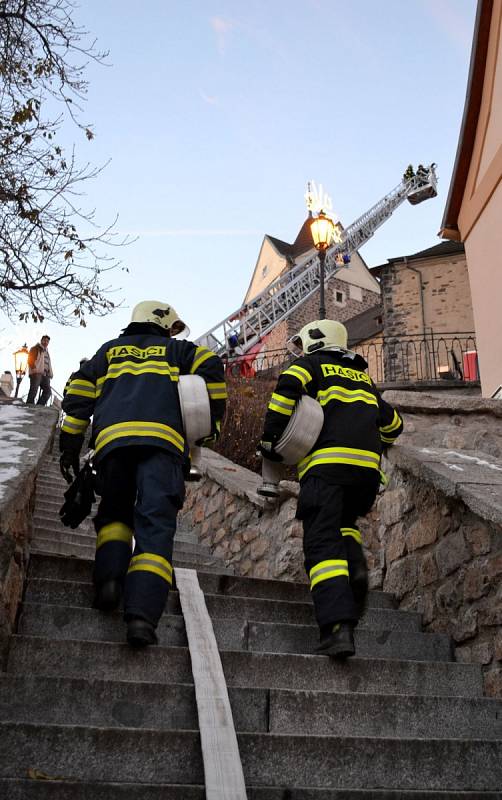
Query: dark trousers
[
  {"x": 142, "y": 490},
  {"x": 44, "y": 383},
  {"x": 331, "y": 543}
]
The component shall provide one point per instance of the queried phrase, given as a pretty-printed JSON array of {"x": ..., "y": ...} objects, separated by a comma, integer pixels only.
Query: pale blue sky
[{"x": 215, "y": 114}]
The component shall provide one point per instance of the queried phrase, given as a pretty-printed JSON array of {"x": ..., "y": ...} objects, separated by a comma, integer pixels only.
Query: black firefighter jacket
[
  {"x": 358, "y": 423},
  {"x": 130, "y": 388}
]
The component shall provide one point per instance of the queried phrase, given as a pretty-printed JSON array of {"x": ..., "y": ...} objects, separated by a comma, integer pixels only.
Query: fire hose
[
  {"x": 195, "y": 416},
  {"x": 298, "y": 439}
]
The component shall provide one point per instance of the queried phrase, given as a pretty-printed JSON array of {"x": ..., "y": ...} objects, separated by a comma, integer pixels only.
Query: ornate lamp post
[
  {"x": 323, "y": 229},
  {"x": 21, "y": 362}
]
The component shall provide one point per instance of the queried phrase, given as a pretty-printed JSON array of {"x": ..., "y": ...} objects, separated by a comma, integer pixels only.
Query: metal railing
[{"x": 399, "y": 359}]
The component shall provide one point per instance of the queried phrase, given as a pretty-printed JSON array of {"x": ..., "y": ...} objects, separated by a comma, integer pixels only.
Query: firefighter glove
[
  {"x": 69, "y": 462},
  {"x": 267, "y": 450},
  {"x": 210, "y": 441}
]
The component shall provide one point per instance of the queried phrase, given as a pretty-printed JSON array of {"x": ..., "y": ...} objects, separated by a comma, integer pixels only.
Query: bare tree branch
[{"x": 52, "y": 252}]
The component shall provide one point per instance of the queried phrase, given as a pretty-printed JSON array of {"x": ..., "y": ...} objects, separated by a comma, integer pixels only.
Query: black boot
[
  {"x": 338, "y": 643},
  {"x": 140, "y": 633},
  {"x": 108, "y": 595},
  {"x": 359, "y": 586}
]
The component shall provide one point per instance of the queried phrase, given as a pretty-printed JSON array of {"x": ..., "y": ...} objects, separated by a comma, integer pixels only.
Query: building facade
[{"x": 473, "y": 213}]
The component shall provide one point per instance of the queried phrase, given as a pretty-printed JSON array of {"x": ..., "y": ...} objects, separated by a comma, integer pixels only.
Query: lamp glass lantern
[{"x": 323, "y": 229}]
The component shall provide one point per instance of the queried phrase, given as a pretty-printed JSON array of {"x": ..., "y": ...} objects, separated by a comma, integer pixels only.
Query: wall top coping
[
  {"x": 240, "y": 481},
  {"x": 25, "y": 432},
  {"x": 423, "y": 403},
  {"x": 472, "y": 476}
]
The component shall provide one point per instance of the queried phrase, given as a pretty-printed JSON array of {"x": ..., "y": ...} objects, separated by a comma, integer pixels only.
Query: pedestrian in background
[
  {"x": 7, "y": 383},
  {"x": 40, "y": 371}
]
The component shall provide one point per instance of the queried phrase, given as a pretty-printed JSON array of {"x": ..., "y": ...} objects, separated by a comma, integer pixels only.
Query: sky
[{"x": 214, "y": 115}]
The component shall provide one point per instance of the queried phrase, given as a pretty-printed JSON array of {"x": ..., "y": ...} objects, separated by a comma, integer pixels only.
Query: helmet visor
[
  {"x": 295, "y": 346},
  {"x": 179, "y": 329}
]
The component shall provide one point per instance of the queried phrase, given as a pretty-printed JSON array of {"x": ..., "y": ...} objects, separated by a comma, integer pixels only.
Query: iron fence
[{"x": 400, "y": 359}]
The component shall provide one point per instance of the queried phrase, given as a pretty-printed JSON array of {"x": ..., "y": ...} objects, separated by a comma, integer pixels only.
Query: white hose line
[
  {"x": 195, "y": 416},
  {"x": 298, "y": 439},
  {"x": 223, "y": 773}
]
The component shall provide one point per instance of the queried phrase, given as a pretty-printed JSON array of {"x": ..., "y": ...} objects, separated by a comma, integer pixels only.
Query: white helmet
[
  {"x": 162, "y": 315},
  {"x": 321, "y": 334}
]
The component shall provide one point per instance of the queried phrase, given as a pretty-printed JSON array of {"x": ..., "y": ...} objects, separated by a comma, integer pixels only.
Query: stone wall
[
  {"x": 346, "y": 309},
  {"x": 455, "y": 422},
  {"x": 443, "y": 303},
  {"x": 253, "y": 535},
  {"x": 435, "y": 543},
  {"x": 26, "y": 434}
]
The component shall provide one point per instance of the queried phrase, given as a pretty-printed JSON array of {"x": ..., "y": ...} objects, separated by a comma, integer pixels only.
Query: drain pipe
[{"x": 422, "y": 309}]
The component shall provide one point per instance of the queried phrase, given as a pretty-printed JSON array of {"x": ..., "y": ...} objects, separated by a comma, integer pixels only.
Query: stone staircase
[{"x": 94, "y": 719}]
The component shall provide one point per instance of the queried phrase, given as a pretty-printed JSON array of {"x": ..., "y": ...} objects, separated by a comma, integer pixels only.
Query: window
[{"x": 339, "y": 298}]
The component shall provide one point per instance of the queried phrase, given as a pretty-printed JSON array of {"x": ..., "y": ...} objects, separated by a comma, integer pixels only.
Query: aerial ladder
[{"x": 252, "y": 321}]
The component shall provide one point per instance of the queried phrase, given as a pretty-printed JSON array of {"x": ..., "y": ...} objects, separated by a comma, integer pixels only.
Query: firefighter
[
  {"x": 340, "y": 477},
  {"x": 130, "y": 388}
]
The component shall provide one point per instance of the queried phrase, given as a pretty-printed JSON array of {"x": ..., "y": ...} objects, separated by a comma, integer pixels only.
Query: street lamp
[
  {"x": 323, "y": 229},
  {"x": 21, "y": 362}
]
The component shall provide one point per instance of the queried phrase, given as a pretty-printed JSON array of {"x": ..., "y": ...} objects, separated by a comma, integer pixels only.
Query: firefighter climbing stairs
[
  {"x": 250, "y": 323},
  {"x": 83, "y": 716}
]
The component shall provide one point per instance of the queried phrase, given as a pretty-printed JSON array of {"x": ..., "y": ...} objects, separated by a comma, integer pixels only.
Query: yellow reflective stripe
[
  {"x": 282, "y": 399},
  {"x": 201, "y": 355},
  {"x": 396, "y": 422},
  {"x": 133, "y": 368},
  {"x": 332, "y": 568},
  {"x": 298, "y": 372},
  {"x": 114, "y": 532},
  {"x": 284, "y": 405},
  {"x": 387, "y": 440},
  {"x": 81, "y": 387},
  {"x": 137, "y": 428},
  {"x": 74, "y": 425},
  {"x": 346, "y": 396},
  {"x": 352, "y": 532},
  {"x": 151, "y": 562},
  {"x": 339, "y": 455},
  {"x": 217, "y": 391}
]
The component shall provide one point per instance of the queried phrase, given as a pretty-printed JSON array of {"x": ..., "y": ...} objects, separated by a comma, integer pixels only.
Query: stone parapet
[
  {"x": 253, "y": 535},
  {"x": 26, "y": 434},
  {"x": 439, "y": 525},
  {"x": 458, "y": 423}
]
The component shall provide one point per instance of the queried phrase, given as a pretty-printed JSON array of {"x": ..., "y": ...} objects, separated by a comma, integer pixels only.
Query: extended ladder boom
[{"x": 255, "y": 319}]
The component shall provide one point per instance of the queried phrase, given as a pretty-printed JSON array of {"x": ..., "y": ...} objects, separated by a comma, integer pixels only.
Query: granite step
[
  {"x": 117, "y": 704},
  {"x": 63, "y": 622},
  {"x": 86, "y": 552},
  {"x": 75, "y": 658},
  {"x": 67, "y": 790},
  {"x": 49, "y": 520},
  {"x": 269, "y": 760},
  {"x": 47, "y": 566},
  {"x": 87, "y": 538},
  {"x": 56, "y": 592},
  {"x": 162, "y": 706}
]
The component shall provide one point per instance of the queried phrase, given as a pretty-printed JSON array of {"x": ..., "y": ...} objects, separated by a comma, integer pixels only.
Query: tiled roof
[
  {"x": 447, "y": 248},
  {"x": 365, "y": 325},
  {"x": 302, "y": 244}
]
